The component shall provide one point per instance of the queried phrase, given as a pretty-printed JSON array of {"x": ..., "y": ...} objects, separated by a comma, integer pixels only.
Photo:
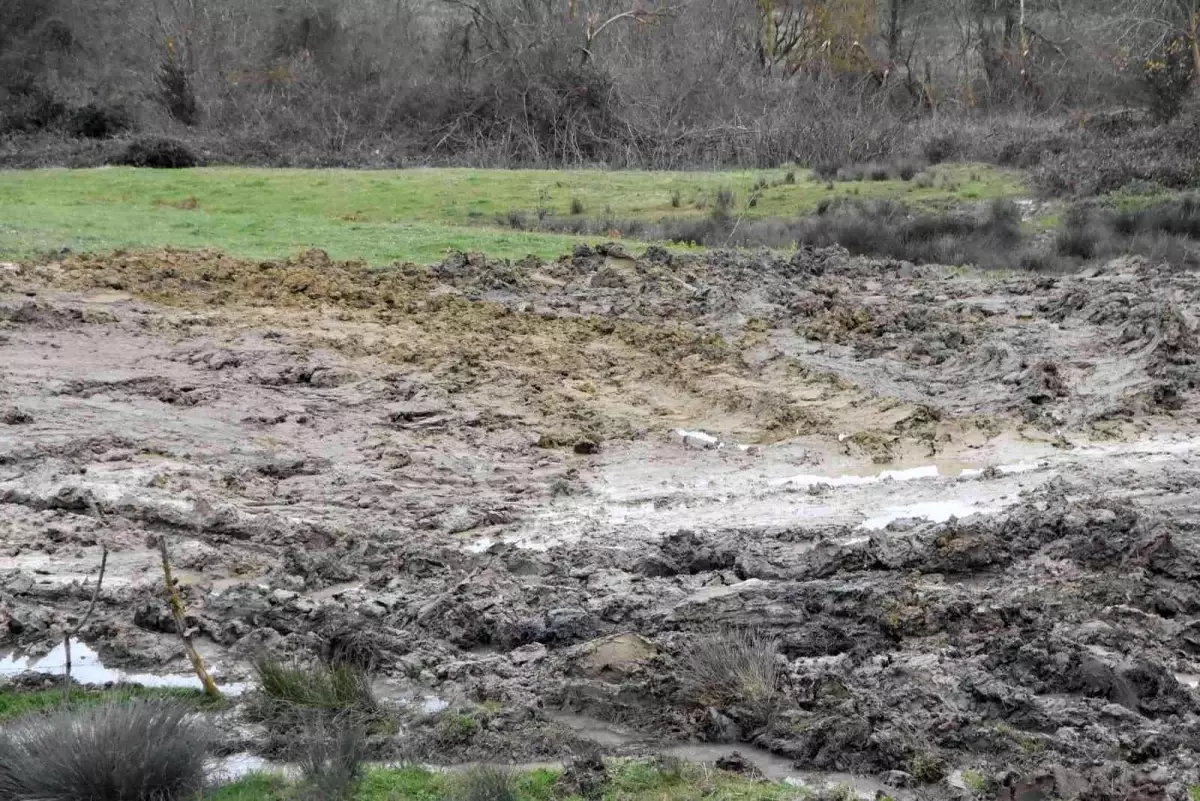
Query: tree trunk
[
  {"x": 893, "y": 36},
  {"x": 1195, "y": 37},
  {"x": 176, "y": 604}
]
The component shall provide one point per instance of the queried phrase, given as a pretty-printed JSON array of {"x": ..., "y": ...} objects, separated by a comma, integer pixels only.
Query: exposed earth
[{"x": 965, "y": 502}]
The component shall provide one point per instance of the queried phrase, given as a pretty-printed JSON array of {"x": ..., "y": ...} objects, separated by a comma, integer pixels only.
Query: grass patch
[
  {"x": 732, "y": 667},
  {"x": 314, "y": 686},
  {"x": 252, "y": 787},
  {"x": 410, "y": 215},
  {"x": 15, "y": 703},
  {"x": 976, "y": 781},
  {"x": 404, "y": 784},
  {"x": 628, "y": 780}
]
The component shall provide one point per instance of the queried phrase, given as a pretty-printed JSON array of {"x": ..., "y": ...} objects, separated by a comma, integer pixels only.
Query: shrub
[
  {"x": 456, "y": 729},
  {"x": 878, "y": 172},
  {"x": 826, "y": 170},
  {"x": 731, "y": 668},
  {"x": 1179, "y": 217},
  {"x": 331, "y": 759},
  {"x": 131, "y": 751},
  {"x": 94, "y": 121},
  {"x": 1167, "y": 77},
  {"x": 723, "y": 204},
  {"x": 354, "y": 644},
  {"x": 157, "y": 152},
  {"x": 175, "y": 86},
  {"x": 939, "y": 148},
  {"x": 28, "y": 108},
  {"x": 927, "y": 767},
  {"x": 486, "y": 783},
  {"x": 1079, "y": 236}
]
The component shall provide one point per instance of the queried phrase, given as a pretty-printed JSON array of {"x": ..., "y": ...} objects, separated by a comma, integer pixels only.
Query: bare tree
[
  {"x": 176, "y": 604},
  {"x": 74, "y": 632}
]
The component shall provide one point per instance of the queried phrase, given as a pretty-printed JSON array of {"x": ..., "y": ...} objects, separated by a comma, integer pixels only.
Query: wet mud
[{"x": 964, "y": 503}]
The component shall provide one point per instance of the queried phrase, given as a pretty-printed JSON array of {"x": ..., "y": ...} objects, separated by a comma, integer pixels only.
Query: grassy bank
[
  {"x": 411, "y": 215},
  {"x": 627, "y": 780},
  {"x": 15, "y": 703}
]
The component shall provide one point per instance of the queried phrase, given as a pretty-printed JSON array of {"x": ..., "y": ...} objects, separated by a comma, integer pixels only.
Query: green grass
[
  {"x": 976, "y": 781},
  {"x": 410, "y": 215},
  {"x": 15, "y": 703},
  {"x": 254, "y": 787},
  {"x": 629, "y": 780}
]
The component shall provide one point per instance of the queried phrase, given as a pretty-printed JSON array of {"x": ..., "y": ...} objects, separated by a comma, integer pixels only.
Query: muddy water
[
  {"x": 86, "y": 668},
  {"x": 773, "y": 767},
  {"x": 642, "y": 494}
]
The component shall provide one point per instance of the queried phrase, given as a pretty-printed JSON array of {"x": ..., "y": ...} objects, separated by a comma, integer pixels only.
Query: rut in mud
[{"x": 964, "y": 503}]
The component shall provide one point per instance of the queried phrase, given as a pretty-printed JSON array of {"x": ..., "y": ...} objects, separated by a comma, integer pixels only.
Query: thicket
[{"x": 662, "y": 84}]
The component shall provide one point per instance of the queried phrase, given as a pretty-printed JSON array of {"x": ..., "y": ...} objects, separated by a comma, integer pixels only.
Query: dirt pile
[{"x": 342, "y": 455}]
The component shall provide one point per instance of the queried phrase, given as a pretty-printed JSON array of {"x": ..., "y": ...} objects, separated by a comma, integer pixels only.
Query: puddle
[
  {"x": 944, "y": 470},
  {"x": 594, "y": 729},
  {"x": 86, "y": 668},
  {"x": 780, "y": 769},
  {"x": 773, "y": 766},
  {"x": 430, "y": 704},
  {"x": 235, "y": 766},
  {"x": 480, "y": 545},
  {"x": 933, "y": 511},
  {"x": 107, "y": 297}
]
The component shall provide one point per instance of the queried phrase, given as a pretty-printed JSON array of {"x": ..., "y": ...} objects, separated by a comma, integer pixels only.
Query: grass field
[{"x": 411, "y": 215}]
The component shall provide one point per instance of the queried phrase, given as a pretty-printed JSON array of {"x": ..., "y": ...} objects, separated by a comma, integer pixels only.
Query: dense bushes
[
  {"x": 507, "y": 82},
  {"x": 158, "y": 152},
  {"x": 1167, "y": 74},
  {"x": 987, "y": 238},
  {"x": 1168, "y": 231}
]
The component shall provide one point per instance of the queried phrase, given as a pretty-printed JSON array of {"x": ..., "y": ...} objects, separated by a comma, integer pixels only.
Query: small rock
[
  {"x": 898, "y": 778},
  {"x": 607, "y": 278},
  {"x": 283, "y": 596},
  {"x": 15, "y": 417},
  {"x": 615, "y": 658},
  {"x": 528, "y": 654},
  {"x": 568, "y": 624},
  {"x": 736, "y": 763},
  {"x": 721, "y": 728},
  {"x": 699, "y": 439}
]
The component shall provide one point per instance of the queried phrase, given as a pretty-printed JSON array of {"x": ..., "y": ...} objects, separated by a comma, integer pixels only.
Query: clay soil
[{"x": 965, "y": 503}]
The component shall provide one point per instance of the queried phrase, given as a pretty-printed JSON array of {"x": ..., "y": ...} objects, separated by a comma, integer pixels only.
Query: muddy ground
[{"x": 964, "y": 502}]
